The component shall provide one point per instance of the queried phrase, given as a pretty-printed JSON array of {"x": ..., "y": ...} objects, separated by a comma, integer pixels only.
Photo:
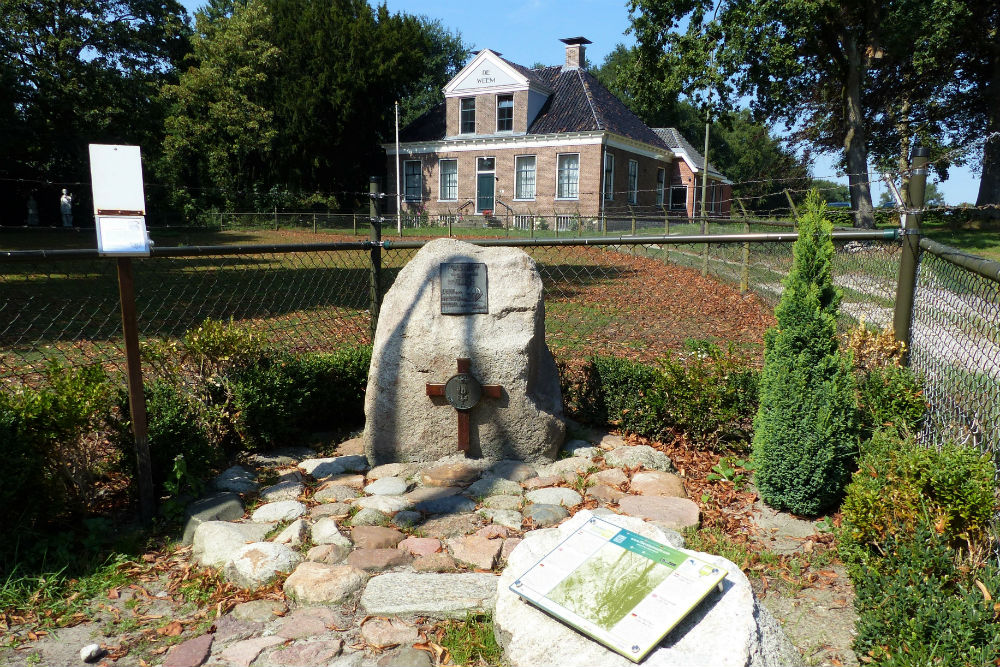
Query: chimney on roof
[{"x": 575, "y": 52}]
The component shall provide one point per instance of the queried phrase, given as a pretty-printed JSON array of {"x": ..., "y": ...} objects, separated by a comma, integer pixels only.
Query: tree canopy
[{"x": 857, "y": 77}]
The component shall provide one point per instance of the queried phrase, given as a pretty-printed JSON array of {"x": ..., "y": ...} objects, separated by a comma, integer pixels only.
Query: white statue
[
  {"x": 32, "y": 211},
  {"x": 66, "y": 207}
]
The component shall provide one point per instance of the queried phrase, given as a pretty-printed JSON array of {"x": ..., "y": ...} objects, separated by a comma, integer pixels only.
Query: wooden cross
[{"x": 463, "y": 392}]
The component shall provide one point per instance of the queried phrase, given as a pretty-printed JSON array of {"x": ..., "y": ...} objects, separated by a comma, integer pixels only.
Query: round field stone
[
  {"x": 604, "y": 493},
  {"x": 545, "y": 515},
  {"x": 542, "y": 482},
  {"x": 387, "y": 486},
  {"x": 556, "y": 495},
  {"x": 430, "y": 595},
  {"x": 451, "y": 474},
  {"x": 376, "y": 560},
  {"x": 369, "y": 517},
  {"x": 334, "y": 493},
  {"x": 383, "y": 632},
  {"x": 657, "y": 483},
  {"x": 325, "y": 531},
  {"x": 480, "y": 552},
  {"x": 289, "y": 490},
  {"x": 285, "y": 510},
  {"x": 440, "y": 562},
  {"x": 420, "y": 546},
  {"x": 386, "y": 504},
  {"x": 319, "y": 583},
  {"x": 644, "y": 456},
  {"x": 515, "y": 471},
  {"x": 403, "y": 470},
  {"x": 376, "y": 537},
  {"x": 611, "y": 477},
  {"x": 494, "y": 486},
  {"x": 506, "y": 518},
  {"x": 448, "y": 505},
  {"x": 503, "y": 502},
  {"x": 407, "y": 518},
  {"x": 236, "y": 479}
]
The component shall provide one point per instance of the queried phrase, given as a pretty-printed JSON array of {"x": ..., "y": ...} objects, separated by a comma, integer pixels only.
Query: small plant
[
  {"x": 181, "y": 486},
  {"x": 471, "y": 641},
  {"x": 730, "y": 469}
]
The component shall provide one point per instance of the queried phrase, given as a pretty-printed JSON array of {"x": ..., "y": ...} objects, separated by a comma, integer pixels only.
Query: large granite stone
[
  {"x": 258, "y": 563},
  {"x": 416, "y": 344},
  {"x": 224, "y": 506},
  {"x": 320, "y": 583},
  {"x": 216, "y": 542},
  {"x": 727, "y": 629},
  {"x": 430, "y": 595}
]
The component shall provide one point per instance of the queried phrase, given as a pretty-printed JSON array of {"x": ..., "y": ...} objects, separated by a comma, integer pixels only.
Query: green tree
[
  {"x": 805, "y": 432},
  {"x": 805, "y": 63},
  {"x": 831, "y": 191},
  {"x": 932, "y": 196},
  {"x": 759, "y": 164},
  {"x": 220, "y": 132},
  {"x": 343, "y": 65},
  {"x": 79, "y": 72}
]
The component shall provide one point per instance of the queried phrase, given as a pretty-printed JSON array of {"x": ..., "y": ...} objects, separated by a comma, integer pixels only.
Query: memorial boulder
[{"x": 460, "y": 361}]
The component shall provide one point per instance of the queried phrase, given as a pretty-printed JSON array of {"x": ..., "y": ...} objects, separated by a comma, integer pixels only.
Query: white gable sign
[{"x": 486, "y": 71}]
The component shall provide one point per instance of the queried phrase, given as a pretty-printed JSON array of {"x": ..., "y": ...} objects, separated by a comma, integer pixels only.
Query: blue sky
[{"x": 528, "y": 31}]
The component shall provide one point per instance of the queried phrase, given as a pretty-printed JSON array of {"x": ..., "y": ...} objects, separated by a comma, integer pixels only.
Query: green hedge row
[{"x": 706, "y": 393}]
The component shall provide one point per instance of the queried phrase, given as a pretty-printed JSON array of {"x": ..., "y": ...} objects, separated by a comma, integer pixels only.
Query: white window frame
[
  {"x": 661, "y": 184},
  {"x": 633, "y": 181},
  {"x": 534, "y": 178},
  {"x": 420, "y": 181},
  {"x": 609, "y": 180},
  {"x": 511, "y": 128},
  {"x": 559, "y": 169},
  {"x": 441, "y": 184},
  {"x": 461, "y": 113}
]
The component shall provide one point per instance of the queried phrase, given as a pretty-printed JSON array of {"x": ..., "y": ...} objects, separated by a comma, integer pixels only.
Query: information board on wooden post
[{"x": 120, "y": 217}]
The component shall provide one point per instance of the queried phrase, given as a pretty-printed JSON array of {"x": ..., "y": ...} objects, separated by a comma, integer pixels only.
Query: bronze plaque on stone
[
  {"x": 464, "y": 288},
  {"x": 463, "y": 391}
]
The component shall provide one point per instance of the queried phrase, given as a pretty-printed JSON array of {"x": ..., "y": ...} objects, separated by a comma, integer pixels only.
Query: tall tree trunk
[
  {"x": 854, "y": 141},
  {"x": 989, "y": 184},
  {"x": 903, "y": 165}
]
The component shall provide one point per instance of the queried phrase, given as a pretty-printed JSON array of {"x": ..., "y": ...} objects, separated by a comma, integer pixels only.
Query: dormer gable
[
  {"x": 487, "y": 72},
  {"x": 491, "y": 96}
]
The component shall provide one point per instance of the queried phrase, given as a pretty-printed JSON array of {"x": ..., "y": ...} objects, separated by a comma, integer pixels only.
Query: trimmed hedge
[{"x": 709, "y": 395}]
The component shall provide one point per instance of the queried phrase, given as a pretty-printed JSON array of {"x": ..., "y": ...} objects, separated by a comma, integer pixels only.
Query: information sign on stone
[{"x": 464, "y": 288}]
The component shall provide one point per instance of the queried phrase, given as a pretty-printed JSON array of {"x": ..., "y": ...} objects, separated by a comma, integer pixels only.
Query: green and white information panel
[{"x": 618, "y": 587}]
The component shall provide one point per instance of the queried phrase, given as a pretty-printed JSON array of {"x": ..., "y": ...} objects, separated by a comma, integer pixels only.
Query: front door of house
[{"x": 485, "y": 183}]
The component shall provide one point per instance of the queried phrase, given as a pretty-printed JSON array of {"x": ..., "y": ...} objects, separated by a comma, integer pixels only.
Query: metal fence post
[
  {"x": 314, "y": 223},
  {"x": 375, "y": 236},
  {"x": 704, "y": 254},
  {"x": 909, "y": 261},
  {"x": 136, "y": 395},
  {"x": 745, "y": 264}
]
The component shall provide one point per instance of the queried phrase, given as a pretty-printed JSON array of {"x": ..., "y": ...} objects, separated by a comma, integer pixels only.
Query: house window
[
  {"x": 661, "y": 182},
  {"x": 633, "y": 181},
  {"x": 448, "y": 180},
  {"x": 468, "y": 115},
  {"x": 524, "y": 177},
  {"x": 678, "y": 198},
  {"x": 505, "y": 113},
  {"x": 568, "y": 176},
  {"x": 411, "y": 181},
  {"x": 609, "y": 176}
]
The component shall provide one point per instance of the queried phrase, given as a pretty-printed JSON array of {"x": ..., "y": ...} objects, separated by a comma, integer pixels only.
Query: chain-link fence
[{"x": 956, "y": 346}]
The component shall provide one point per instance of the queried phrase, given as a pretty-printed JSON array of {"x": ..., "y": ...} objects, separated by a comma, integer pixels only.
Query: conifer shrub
[{"x": 805, "y": 431}]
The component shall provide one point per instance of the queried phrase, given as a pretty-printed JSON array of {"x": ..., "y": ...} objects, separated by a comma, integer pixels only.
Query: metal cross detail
[{"x": 463, "y": 392}]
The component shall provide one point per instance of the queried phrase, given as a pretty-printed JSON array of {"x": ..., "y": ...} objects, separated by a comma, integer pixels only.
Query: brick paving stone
[
  {"x": 306, "y": 622},
  {"x": 191, "y": 653},
  {"x": 675, "y": 513},
  {"x": 244, "y": 652},
  {"x": 439, "y": 562},
  {"x": 383, "y": 632},
  {"x": 420, "y": 546},
  {"x": 611, "y": 477},
  {"x": 656, "y": 483},
  {"x": 541, "y": 482},
  {"x": 480, "y": 552},
  {"x": 376, "y": 537},
  {"x": 306, "y": 653},
  {"x": 376, "y": 560},
  {"x": 604, "y": 493}
]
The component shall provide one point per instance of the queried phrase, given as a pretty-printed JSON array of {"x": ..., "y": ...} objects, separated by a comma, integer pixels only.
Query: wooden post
[
  {"x": 375, "y": 235},
  {"x": 745, "y": 268},
  {"x": 631, "y": 212},
  {"x": 666, "y": 221},
  {"x": 354, "y": 221},
  {"x": 791, "y": 204},
  {"x": 704, "y": 253},
  {"x": 136, "y": 397}
]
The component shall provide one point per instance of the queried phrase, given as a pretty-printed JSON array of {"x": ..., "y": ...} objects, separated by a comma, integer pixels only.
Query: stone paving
[{"x": 372, "y": 558}]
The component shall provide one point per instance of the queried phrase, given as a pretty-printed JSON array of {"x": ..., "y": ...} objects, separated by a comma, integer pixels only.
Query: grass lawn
[{"x": 977, "y": 237}]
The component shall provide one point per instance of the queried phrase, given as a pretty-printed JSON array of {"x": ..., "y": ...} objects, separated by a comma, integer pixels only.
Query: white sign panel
[
  {"x": 616, "y": 586},
  {"x": 116, "y": 180},
  {"x": 122, "y": 236}
]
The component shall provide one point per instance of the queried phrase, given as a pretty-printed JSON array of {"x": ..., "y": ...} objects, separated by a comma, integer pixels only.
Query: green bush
[
  {"x": 708, "y": 395},
  {"x": 805, "y": 432},
  {"x": 282, "y": 397},
  {"x": 891, "y": 397},
  {"x": 924, "y": 608},
  {"x": 48, "y": 440},
  {"x": 179, "y": 424},
  {"x": 899, "y": 482}
]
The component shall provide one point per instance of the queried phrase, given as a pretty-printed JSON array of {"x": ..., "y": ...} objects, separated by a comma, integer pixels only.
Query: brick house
[{"x": 544, "y": 144}]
